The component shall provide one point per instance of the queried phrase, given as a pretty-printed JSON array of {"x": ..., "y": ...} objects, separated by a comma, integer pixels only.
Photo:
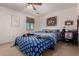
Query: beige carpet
[{"x": 62, "y": 49}]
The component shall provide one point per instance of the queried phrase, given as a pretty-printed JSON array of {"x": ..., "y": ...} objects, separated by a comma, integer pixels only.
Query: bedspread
[{"x": 32, "y": 46}]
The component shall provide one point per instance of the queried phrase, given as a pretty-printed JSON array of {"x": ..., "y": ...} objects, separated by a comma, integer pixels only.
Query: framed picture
[
  {"x": 52, "y": 21},
  {"x": 68, "y": 22},
  {"x": 15, "y": 21}
]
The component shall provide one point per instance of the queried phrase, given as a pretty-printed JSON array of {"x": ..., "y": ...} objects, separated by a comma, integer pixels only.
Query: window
[
  {"x": 29, "y": 26},
  {"x": 29, "y": 23}
]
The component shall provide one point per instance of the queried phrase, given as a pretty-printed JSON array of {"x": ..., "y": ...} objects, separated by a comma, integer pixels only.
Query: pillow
[
  {"x": 30, "y": 34},
  {"x": 57, "y": 30},
  {"x": 42, "y": 36},
  {"x": 38, "y": 36},
  {"x": 45, "y": 30}
]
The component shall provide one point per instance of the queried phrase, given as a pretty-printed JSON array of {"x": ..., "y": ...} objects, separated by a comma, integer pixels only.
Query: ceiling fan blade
[
  {"x": 33, "y": 7},
  {"x": 35, "y": 3}
]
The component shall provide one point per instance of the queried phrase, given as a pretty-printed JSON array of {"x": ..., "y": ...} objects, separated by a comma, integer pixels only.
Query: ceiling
[{"x": 42, "y": 9}]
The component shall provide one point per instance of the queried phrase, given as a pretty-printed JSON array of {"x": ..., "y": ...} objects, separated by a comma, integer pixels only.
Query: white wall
[
  {"x": 37, "y": 23},
  {"x": 78, "y": 9},
  {"x": 62, "y": 15},
  {"x": 7, "y": 32}
]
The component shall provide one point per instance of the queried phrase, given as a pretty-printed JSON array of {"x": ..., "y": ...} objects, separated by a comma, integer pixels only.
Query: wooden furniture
[
  {"x": 78, "y": 29},
  {"x": 75, "y": 37},
  {"x": 70, "y": 37},
  {"x": 63, "y": 35}
]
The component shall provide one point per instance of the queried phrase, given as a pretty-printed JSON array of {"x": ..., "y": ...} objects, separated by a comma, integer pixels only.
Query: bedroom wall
[
  {"x": 7, "y": 32},
  {"x": 37, "y": 24},
  {"x": 78, "y": 9},
  {"x": 62, "y": 16}
]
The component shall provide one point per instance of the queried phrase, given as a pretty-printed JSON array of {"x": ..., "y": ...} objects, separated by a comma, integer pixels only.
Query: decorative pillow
[
  {"x": 42, "y": 36},
  {"x": 38, "y": 36},
  {"x": 45, "y": 30},
  {"x": 68, "y": 35},
  {"x": 56, "y": 30}
]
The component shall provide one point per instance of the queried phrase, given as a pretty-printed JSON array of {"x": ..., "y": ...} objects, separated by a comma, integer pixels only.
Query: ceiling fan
[{"x": 32, "y": 5}]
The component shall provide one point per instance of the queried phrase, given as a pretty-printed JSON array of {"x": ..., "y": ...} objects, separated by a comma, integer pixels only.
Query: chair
[{"x": 68, "y": 36}]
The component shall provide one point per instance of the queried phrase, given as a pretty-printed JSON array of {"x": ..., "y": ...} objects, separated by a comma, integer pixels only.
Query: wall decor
[
  {"x": 52, "y": 21},
  {"x": 15, "y": 21},
  {"x": 68, "y": 22}
]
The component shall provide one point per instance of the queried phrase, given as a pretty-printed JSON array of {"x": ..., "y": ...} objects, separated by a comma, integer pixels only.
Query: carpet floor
[{"x": 62, "y": 49}]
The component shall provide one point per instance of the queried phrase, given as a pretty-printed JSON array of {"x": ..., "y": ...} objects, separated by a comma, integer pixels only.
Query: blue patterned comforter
[{"x": 32, "y": 46}]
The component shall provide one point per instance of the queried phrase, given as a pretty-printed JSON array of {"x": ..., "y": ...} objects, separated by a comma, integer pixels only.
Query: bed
[
  {"x": 33, "y": 45},
  {"x": 56, "y": 35}
]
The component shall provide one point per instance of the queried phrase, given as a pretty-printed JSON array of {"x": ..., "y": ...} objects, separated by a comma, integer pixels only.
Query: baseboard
[{"x": 6, "y": 43}]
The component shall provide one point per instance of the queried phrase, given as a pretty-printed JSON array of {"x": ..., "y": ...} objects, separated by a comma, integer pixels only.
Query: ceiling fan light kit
[
  {"x": 29, "y": 6},
  {"x": 32, "y": 5}
]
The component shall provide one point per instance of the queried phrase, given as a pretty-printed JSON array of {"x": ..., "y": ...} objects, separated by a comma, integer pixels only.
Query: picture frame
[
  {"x": 52, "y": 21},
  {"x": 68, "y": 22},
  {"x": 15, "y": 21}
]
